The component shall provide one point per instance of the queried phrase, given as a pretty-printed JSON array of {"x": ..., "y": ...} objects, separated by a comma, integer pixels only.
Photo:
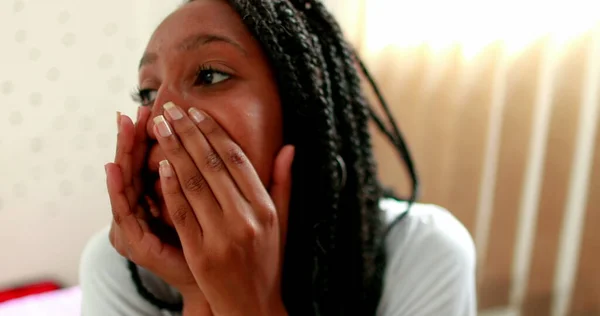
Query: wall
[{"x": 65, "y": 68}]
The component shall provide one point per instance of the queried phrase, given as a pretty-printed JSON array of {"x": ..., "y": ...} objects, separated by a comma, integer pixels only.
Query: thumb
[{"x": 282, "y": 184}]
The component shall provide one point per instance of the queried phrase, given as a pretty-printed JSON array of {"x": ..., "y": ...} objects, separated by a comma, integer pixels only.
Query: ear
[{"x": 282, "y": 186}]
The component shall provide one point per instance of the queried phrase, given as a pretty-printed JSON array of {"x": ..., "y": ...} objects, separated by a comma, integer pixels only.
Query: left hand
[
  {"x": 130, "y": 231},
  {"x": 232, "y": 230}
]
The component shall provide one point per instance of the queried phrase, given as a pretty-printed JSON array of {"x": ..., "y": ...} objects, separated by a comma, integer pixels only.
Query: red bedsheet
[{"x": 31, "y": 289}]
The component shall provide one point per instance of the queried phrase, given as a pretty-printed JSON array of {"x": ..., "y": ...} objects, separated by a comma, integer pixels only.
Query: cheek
[{"x": 257, "y": 128}]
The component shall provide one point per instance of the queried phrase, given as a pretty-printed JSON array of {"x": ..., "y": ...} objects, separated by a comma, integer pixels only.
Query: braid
[
  {"x": 143, "y": 291},
  {"x": 317, "y": 111},
  {"x": 350, "y": 105},
  {"x": 334, "y": 256}
]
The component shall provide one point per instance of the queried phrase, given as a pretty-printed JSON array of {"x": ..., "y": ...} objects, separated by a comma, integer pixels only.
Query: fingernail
[
  {"x": 196, "y": 115},
  {"x": 164, "y": 168},
  {"x": 173, "y": 110},
  {"x": 163, "y": 127},
  {"x": 139, "y": 112},
  {"x": 106, "y": 169},
  {"x": 119, "y": 121}
]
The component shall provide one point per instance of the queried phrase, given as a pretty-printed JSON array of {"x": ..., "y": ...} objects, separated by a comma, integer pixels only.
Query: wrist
[{"x": 195, "y": 304}]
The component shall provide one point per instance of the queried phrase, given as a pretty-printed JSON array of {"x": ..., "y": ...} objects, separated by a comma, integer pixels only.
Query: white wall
[{"x": 66, "y": 66}]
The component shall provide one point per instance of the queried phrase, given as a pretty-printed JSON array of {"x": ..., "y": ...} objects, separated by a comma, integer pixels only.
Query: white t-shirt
[{"x": 430, "y": 270}]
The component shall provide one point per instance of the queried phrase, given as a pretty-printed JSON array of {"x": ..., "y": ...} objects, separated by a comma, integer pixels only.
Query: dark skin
[{"x": 225, "y": 179}]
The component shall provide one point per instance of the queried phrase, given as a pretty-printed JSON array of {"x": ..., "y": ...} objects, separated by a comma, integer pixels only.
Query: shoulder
[
  {"x": 99, "y": 257},
  {"x": 102, "y": 272},
  {"x": 427, "y": 225},
  {"x": 430, "y": 262}
]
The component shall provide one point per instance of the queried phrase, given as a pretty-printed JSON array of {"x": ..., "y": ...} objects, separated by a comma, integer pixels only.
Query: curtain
[{"x": 499, "y": 103}]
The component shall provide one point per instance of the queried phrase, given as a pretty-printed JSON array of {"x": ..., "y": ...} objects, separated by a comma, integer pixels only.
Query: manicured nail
[
  {"x": 196, "y": 115},
  {"x": 173, "y": 111},
  {"x": 165, "y": 169},
  {"x": 119, "y": 121},
  {"x": 163, "y": 127}
]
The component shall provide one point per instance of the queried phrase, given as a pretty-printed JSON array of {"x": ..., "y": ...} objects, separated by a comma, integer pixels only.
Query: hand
[
  {"x": 130, "y": 233},
  {"x": 232, "y": 230}
]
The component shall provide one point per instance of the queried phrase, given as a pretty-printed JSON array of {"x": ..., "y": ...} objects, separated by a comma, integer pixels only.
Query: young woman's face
[{"x": 203, "y": 56}]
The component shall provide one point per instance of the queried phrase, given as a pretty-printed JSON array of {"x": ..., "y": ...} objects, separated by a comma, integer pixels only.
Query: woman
[{"x": 247, "y": 185}]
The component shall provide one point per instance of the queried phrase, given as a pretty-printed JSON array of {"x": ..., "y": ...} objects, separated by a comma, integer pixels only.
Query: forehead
[{"x": 209, "y": 17}]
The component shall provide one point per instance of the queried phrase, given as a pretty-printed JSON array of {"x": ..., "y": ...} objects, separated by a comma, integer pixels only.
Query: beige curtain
[{"x": 499, "y": 102}]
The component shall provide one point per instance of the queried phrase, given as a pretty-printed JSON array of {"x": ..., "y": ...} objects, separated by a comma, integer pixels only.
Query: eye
[
  {"x": 208, "y": 76},
  {"x": 148, "y": 96},
  {"x": 145, "y": 97}
]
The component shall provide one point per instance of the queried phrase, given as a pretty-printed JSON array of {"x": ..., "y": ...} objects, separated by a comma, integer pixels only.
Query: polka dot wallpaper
[{"x": 66, "y": 66}]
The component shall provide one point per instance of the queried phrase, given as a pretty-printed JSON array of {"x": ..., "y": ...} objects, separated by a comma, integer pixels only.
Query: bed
[{"x": 63, "y": 302}]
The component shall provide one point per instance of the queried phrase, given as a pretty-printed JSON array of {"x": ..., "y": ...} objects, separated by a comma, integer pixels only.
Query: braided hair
[{"x": 334, "y": 256}]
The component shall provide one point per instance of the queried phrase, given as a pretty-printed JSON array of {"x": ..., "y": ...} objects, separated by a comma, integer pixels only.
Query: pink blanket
[{"x": 66, "y": 302}]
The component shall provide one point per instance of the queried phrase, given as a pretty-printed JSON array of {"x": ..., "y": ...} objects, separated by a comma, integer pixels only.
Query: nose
[{"x": 163, "y": 95}]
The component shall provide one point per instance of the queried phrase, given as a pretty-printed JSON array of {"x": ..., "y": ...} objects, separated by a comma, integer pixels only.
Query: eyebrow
[{"x": 192, "y": 43}]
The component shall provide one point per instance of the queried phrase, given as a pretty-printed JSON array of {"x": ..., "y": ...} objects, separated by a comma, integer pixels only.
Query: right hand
[{"x": 130, "y": 233}]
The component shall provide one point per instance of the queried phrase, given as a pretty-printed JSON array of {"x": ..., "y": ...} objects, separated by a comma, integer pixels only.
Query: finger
[
  {"x": 131, "y": 151},
  {"x": 282, "y": 185},
  {"x": 132, "y": 237},
  {"x": 140, "y": 149},
  {"x": 233, "y": 157},
  {"x": 206, "y": 158},
  {"x": 123, "y": 156},
  {"x": 121, "y": 210},
  {"x": 152, "y": 253},
  {"x": 125, "y": 143},
  {"x": 117, "y": 240},
  {"x": 192, "y": 182},
  {"x": 188, "y": 227},
  {"x": 111, "y": 234}
]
